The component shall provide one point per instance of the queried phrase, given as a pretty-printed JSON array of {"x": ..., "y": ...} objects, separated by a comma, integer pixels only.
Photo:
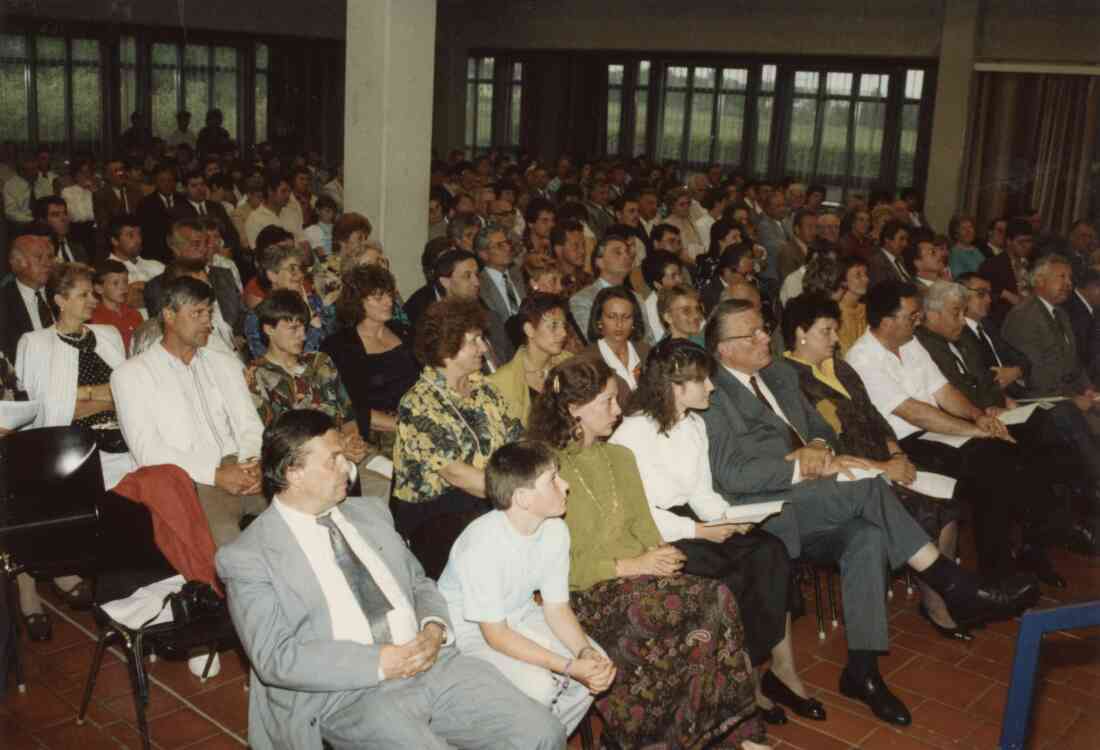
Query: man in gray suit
[
  {"x": 767, "y": 442},
  {"x": 349, "y": 641},
  {"x": 613, "y": 260},
  {"x": 501, "y": 283}
]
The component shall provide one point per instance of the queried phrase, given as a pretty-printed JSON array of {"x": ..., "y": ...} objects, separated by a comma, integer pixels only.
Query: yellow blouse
[{"x": 826, "y": 373}]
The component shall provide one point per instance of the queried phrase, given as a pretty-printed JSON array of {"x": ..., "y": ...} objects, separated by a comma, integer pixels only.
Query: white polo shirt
[{"x": 891, "y": 380}]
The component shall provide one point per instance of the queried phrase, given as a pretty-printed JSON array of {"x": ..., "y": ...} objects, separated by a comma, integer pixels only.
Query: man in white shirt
[
  {"x": 714, "y": 203},
  {"x": 182, "y": 133},
  {"x": 125, "y": 239},
  {"x": 912, "y": 394},
  {"x": 19, "y": 195},
  {"x": 349, "y": 641},
  {"x": 181, "y": 403},
  {"x": 45, "y": 179},
  {"x": 274, "y": 211}
]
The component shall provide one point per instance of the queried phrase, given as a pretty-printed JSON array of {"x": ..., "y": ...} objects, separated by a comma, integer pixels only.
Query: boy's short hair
[
  {"x": 516, "y": 466},
  {"x": 107, "y": 267}
]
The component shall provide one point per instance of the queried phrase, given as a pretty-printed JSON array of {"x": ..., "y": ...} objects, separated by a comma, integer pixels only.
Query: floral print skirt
[{"x": 684, "y": 678}]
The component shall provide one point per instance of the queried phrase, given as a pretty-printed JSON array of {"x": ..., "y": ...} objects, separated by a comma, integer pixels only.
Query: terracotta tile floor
[{"x": 956, "y": 693}]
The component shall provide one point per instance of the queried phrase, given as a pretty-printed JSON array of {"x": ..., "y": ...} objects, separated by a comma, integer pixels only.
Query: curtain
[{"x": 1030, "y": 144}]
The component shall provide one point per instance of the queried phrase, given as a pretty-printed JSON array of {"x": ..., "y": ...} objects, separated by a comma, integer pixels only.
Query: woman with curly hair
[
  {"x": 450, "y": 421},
  {"x": 669, "y": 442},
  {"x": 684, "y": 679}
]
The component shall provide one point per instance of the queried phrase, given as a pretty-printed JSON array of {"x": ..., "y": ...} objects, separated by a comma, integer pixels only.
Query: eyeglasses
[
  {"x": 981, "y": 292},
  {"x": 763, "y": 331},
  {"x": 913, "y": 318}
]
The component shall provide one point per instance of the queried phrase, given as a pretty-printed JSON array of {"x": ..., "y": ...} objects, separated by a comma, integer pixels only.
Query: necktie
[
  {"x": 202, "y": 208},
  {"x": 958, "y": 359},
  {"x": 901, "y": 270},
  {"x": 372, "y": 600},
  {"x": 988, "y": 344},
  {"x": 66, "y": 253},
  {"x": 796, "y": 439},
  {"x": 1058, "y": 324},
  {"x": 45, "y": 314},
  {"x": 513, "y": 298},
  {"x": 125, "y": 201}
]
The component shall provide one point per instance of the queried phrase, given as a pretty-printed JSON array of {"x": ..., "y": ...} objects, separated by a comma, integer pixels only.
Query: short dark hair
[
  {"x": 284, "y": 440},
  {"x": 273, "y": 180},
  {"x": 800, "y": 216},
  {"x": 805, "y": 310},
  {"x": 359, "y": 283},
  {"x": 433, "y": 248},
  {"x": 537, "y": 304},
  {"x": 891, "y": 228},
  {"x": 42, "y": 206},
  {"x": 516, "y": 466},
  {"x": 606, "y": 295},
  {"x": 442, "y": 328},
  {"x": 884, "y": 299},
  {"x": 325, "y": 201},
  {"x": 194, "y": 174},
  {"x": 107, "y": 267},
  {"x": 1018, "y": 227},
  {"x": 280, "y": 305},
  {"x": 537, "y": 206},
  {"x": 268, "y": 236},
  {"x": 120, "y": 222},
  {"x": 655, "y": 264},
  {"x": 661, "y": 230}
]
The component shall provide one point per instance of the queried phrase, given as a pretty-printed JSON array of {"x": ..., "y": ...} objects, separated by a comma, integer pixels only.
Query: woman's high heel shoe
[{"x": 951, "y": 634}]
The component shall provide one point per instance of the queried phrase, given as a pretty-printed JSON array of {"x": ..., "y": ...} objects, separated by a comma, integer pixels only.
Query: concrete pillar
[
  {"x": 388, "y": 125},
  {"x": 958, "y": 48}
]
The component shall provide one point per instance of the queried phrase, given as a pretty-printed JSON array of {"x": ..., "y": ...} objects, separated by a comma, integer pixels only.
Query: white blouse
[
  {"x": 78, "y": 199},
  {"x": 675, "y": 470},
  {"x": 616, "y": 364}
]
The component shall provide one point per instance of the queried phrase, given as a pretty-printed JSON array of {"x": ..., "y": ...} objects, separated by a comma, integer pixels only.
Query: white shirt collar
[
  {"x": 1084, "y": 301},
  {"x": 972, "y": 325},
  {"x": 616, "y": 364},
  {"x": 1047, "y": 305},
  {"x": 742, "y": 378}
]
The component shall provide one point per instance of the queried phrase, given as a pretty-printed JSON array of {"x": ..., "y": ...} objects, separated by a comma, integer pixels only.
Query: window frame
[{"x": 502, "y": 136}]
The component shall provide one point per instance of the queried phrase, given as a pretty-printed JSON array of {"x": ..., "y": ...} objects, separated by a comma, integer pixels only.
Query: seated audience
[
  {"x": 615, "y": 336},
  {"x": 855, "y": 235},
  {"x": 350, "y": 234},
  {"x": 681, "y": 312},
  {"x": 274, "y": 211},
  {"x": 431, "y": 291},
  {"x": 221, "y": 254},
  {"x": 735, "y": 266},
  {"x": 450, "y": 422},
  {"x": 373, "y": 353},
  {"x": 254, "y": 188},
  {"x": 288, "y": 378},
  {"x": 619, "y": 568},
  {"x": 888, "y": 262},
  {"x": 678, "y": 201},
  {"x": 767, "y": 442},
  {"x": 545, "y": 332},
  {"x": 812, "y": 324},
  {"x": 501, "y": 287},
  {"x": 724, "y": 234},
  {"x": 341, "y": 651},
  {"x": 319, "y": 234},
  {"x": 112, "y": 287},
  {"x": 965, "y": 256},
  {"x": 568, "y": 249},
  {"x": 794, "y": 253},
  {"x": 52, "y": 214},
  {"x": 613, "y": 261},
  {"x": 661, "y": 270},
  {"x": 182, "y": 403},
  {"x": 1084, "y": 317},
  {"x": 1008, "y": 272},
  {"x": 25, "y": 307},
  {"x": 281, "y": 267},
  {"x": 669, "y": 443},
  {"x": 498, "y": 564}
]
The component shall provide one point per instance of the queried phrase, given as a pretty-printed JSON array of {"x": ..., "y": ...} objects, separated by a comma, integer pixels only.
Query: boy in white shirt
[{"x": 496, "y": 566}]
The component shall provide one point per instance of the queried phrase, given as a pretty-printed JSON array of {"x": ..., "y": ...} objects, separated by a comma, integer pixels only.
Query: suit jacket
[
  {"x": 184, "y": 210},
  {"x": 1083, "y": 323},
  {"x": 771, "y": 234},
  {"x": 298, "y": 671},
  {"x": 79, "y": 253},
  {"x": 156, "y": 222},
  {"x": 973, "y": 379},
  {"x": 106, "y": 206},
  {"x": 1056, "y": 369},
  {"x": 14, "y": 319},
  {"x": 712, "y": 295},
  {"x": 791, "y": 258},
  {"x": 879, "y": 268},
  {"x": 998, "y": 271},
  {"x": 225, "y": 292},
  {"x": 749, "y": 442},
  {"x": 492, "y": 296}
]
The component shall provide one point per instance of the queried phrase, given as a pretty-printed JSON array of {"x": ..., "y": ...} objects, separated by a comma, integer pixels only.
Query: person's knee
[
  {"x": 542, "y": 730},
  {"x": 864, "y": 541}
]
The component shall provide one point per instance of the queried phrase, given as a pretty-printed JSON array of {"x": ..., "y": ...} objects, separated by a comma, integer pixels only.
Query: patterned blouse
[
  {"x": 436, "y": 427},
  {"x": 276, "y": 391}
]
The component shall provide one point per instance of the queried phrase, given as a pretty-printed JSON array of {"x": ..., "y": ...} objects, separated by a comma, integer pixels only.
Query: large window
[
  {"x": 196, "y": 78},
  {"x": 479, "y": 104},
  {"x": 127, "y": 80},
  {"x": 515, "y": 107},
  {"x": 910, "y": 127},
  {"x": 627, "y": 108},
  {"x": 494, "y": 104}
]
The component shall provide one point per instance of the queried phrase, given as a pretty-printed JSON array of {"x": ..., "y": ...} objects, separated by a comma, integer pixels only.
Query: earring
[
  {"x": 577, "y": 433},
  {"x": 802, "y": 341}
]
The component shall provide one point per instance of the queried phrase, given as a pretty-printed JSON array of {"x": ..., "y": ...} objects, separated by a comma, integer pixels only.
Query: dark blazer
[
  {"x": 749, "y": 443},
  {"x": 79, "y": 253},
  {"x": 184, "y": 210},
  {"x": 998, "y": 271},
  {"x": 156, "y": 222},
  {"x": 106, "y": 206},
  {"x": 1056, "y": 369},
  {"x": 14, "y": 319},
  {"x": 880, "y": 269},
  {"x": 225, "y": 292},
  {"x": 1083, "y": 323},
  {"x": 418, "y": 302},
  {"x": 973, "y": 379}
]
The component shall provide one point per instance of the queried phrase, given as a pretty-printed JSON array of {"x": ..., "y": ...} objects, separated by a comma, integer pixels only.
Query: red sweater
[{"x": 126, "y": 320}]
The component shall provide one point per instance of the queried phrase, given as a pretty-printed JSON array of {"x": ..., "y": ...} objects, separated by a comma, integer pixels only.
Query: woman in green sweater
[{"x": 684, "y": 679}]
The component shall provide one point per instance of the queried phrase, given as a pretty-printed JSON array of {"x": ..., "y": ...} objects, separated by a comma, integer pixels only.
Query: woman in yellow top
[
  {"x": 545, "y": 331},
  {"x": 684, "y": 678}
]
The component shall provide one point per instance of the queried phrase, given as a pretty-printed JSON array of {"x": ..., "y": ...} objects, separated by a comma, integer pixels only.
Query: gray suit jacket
[
  {"x": 1052, "y": 353},
  {"x": 749, "y": 442},
  {"x": 771, "y": 234},
  {"x": 299, "y": 673},
  {"x": 492, "y": 297}
]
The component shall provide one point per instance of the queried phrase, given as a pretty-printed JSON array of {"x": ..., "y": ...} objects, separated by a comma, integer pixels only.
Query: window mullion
[
  {"x": 713, "y": 152},
  {"x": 689, "y": 102},
  {"x": 819, "y": 124},
  {"x": 849, "y": 161}
]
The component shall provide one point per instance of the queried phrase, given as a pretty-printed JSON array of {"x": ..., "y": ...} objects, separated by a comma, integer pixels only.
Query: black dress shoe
[
  {"x": 775, "y": 690},
  {"x": 951, "y": 634},
  {"x": 873, "y": 691},
  {"x": 774, "y": 715},
  {"x": 1033, "y": 558},
  {"x": 1000, "y": 601}
]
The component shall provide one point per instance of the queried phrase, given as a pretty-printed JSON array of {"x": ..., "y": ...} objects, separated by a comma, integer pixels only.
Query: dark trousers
[
  {"x": 1001, "y": 486},
  {"x": 756, "y": 568}
]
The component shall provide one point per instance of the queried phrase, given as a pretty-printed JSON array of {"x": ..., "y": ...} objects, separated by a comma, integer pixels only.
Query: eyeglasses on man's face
[{"x": 764, "y": 331}]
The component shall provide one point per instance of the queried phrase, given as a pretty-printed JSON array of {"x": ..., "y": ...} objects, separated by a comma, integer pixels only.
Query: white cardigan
[{"x": 47, "y": 368}]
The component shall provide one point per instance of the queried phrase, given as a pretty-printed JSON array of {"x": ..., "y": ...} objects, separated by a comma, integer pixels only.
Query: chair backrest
[
  {"x": 432, "y": 542},
  {"x": 49, "y": 497}
]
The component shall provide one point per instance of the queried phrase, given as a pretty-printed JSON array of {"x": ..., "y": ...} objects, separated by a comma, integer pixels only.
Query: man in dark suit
[
  {"x": 24, "y": 306},
  {"x": 350, "y": 643},
  {"x": 1005, "y": 271},
  {"x": 52, "y": 212},
  {"x": 1084, "y": 318},
  {"x": 196, "y": 204},
  {"x": 888, "y": 263},
  {"x": 117, "y": 197},
  {"x": 156, "y": 212},
  {"x": 187, "y": 241},
  {"x": 767, "y": 442}
]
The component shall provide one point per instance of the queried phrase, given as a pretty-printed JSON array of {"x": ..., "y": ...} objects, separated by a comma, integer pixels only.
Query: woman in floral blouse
[
  {"x": 285, "y": 379},
  {"x": 449, "y": 422}
]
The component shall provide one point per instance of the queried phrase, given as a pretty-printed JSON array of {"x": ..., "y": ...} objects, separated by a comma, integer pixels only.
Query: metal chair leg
[
  {"x": 818, "y": 604},
  {"x": 830, "y": 580},
  {"x": 138, "y": 683},
  {"x": 97, "y": 661}
]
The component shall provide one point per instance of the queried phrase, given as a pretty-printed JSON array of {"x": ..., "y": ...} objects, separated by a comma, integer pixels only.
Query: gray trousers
[
  {"x": 865, "y": 529},
  {"x": 461, "y": 702}
]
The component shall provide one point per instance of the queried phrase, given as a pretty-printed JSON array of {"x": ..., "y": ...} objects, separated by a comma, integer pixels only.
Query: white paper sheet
[
  {"x": 1019, "y": 415},
  {"x": 926, "y": 483},
  {"x": 751, "y": 513},
  {"x": 134, "y": 610},
  {"x": 955, "y": 441},
  {"x": 16, "y": 414}
]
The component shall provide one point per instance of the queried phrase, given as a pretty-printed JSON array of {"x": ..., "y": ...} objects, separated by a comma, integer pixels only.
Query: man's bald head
[{"x": 31, "y": 259}]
